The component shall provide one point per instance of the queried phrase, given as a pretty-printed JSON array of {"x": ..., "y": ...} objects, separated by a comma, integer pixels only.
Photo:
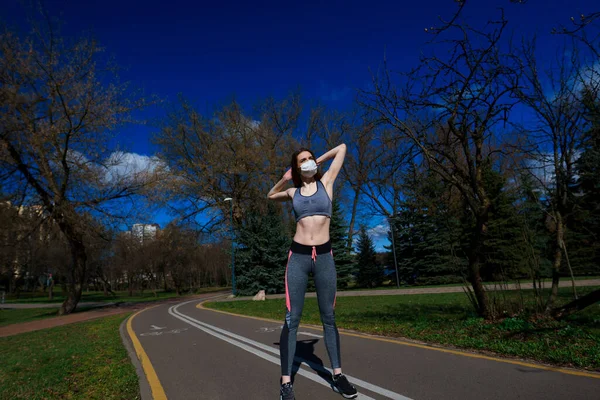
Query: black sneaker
[
  {"x": 286, "y": 392},
  {"x": 342, "y": 386}
]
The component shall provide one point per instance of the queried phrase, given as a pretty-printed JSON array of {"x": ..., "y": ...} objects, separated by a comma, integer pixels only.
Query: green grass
[
  {"x": 387, "y": 285},
  {"x": 448, "y": 319},
  {"x": 17, "y": 316},
  {"x": 79, "y": 361},
  {"x": 121, "y": 296}
]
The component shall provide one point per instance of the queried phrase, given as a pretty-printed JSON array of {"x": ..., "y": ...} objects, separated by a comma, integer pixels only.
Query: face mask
[{"x": 308, "y": 169}]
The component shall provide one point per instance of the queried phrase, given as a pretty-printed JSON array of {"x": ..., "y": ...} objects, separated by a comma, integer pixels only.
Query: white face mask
[{"x": 308, "y": 169}]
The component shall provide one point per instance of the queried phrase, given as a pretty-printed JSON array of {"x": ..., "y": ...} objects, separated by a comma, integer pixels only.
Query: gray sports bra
[{"x": 318, "y": 203}]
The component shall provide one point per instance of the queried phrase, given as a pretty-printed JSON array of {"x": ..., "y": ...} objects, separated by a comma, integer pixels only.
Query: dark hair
[{"x": 296, "y": 177}]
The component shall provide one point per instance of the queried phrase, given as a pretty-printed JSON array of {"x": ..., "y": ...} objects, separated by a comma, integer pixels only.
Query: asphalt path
[
  {"x": 80, "y": 305},
  {"x": 184, "y": 351}
]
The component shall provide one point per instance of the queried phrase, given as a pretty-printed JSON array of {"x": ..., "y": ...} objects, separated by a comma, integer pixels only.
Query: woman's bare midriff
[{"x": 313, "y": 230}]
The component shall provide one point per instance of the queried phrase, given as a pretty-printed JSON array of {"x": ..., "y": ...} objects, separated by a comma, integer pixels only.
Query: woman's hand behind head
[{"x": 288, "y": 175}]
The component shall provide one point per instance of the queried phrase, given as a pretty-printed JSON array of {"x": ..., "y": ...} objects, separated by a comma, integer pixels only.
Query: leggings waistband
[{"x": 305, "y": 249}]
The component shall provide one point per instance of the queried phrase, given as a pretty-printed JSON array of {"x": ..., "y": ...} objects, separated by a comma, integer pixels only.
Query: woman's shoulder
[{"x": 323, "y": 181}]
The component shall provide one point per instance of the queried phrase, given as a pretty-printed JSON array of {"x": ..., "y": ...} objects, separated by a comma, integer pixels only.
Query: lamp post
[
  {"x": 392, "y": 226},
  {"x": 230, "y": 200}
]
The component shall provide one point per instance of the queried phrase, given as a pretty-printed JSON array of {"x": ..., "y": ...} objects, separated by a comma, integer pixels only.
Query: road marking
[
  {"x": 160, "y": 333},
  {"x": 158, "y": 393},
  {"x": 266, "y": 330},
  {"x": 155, "y": 328},
  {"x": 230, "y": 338},
  {"x": 310, "y": 334},
  {"x": 423, "y": 346}
]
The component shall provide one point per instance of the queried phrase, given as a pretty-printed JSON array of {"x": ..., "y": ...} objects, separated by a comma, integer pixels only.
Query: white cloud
[
  {"x": 76, "y": 158},
  {"x": 589, "y": 77},
  {"x": 379, "y": 232},
  {"x": 120, "y": 165},
  {"x": 543, "y": 167}
]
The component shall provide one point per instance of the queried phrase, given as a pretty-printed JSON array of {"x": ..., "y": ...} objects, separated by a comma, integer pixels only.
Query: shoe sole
[{"x": 347, "y": 396}]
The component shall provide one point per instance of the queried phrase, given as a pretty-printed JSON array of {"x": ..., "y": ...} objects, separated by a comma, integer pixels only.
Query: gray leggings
[{"x": 302, "y": 260}]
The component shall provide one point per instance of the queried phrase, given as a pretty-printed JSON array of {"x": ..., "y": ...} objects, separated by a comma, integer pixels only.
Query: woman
[{"x": 310, "y": 252}]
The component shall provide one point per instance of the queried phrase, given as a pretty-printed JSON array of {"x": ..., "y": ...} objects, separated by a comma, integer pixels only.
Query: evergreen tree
[
  {"x": 344, "y": 262},
  {"x": 585, "y": 226},
  {"x": 403, "y": 223},
  {"x": 370, "y": 273},
  {"x": 261, "y": 256},
  {"x": 536, "y": 238},
  {"x": 503, "y": 250},
  {"x": 427, "y": 232}
]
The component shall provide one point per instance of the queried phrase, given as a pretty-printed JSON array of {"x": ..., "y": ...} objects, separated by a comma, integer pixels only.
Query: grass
[
  {"x": 17, "y": 316},
  {"x": 448, "y": 319},
  {"x": 95, "y": 296},
  {"x": 78, "y": 361},
  {"x": 391, "y": 284}
]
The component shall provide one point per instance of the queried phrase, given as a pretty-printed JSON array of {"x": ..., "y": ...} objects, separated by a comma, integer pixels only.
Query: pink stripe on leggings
[
  {"x": 335, "y": 298},
  {"x": 287, "y": 292}
]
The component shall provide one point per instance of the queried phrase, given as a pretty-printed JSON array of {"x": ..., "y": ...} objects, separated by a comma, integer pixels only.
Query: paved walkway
[
  {"x": 86, "y": 304},
  {"x": 445, "y": 289},
  {"x": 189, "y": 352},
  {"x": 108, "y": 310}
]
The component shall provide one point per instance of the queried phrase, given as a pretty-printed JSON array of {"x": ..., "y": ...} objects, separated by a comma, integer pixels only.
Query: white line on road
[
  {"x": 310, "y": 334},
  {"x": 154, "y": 327},
  {"x": 230, "y": 336}
]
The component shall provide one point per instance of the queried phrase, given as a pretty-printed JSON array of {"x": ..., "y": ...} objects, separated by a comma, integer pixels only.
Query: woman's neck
[{"x": 307, "y": 181}]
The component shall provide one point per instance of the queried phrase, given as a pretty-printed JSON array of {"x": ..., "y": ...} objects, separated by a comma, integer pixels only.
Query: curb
[{"x": 145, "y": 392}]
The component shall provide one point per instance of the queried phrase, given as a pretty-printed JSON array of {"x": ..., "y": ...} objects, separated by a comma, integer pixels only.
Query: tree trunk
[
  {"x": 353, "y": 217},
  {"x": 76, "y": 278},
  {"x": 557, "y": 258},
  {"x": 474, "y": 272},
  {"x": 576, "y": 305},
  {"x": 51, "y": 290}
]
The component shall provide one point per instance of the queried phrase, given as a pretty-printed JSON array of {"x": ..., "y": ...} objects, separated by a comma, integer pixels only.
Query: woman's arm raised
[
  {"x": 276, "y": 192},
  {"x": 338, "y": 154}
]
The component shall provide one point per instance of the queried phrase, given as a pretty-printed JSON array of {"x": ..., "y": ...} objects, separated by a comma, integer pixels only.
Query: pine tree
[
  {"x": 370, "y": 273},
  {"x": 536, "y": 238},
  {"x": 403, "y": 224},
  {"x": 344, "y": 262},
  {"x": 503, "y": 251},
  {"x": 428, "y": 233},
  {"x": 261, "y": 256},
  {"x": 586, "y": 219}
]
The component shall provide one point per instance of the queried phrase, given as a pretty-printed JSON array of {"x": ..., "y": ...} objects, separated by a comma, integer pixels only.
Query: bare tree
[
  {"x": 452, "y": 110},
  {"x": 585, "y": 29},
  {"x": 228, "y": 154},
  {"x": 59, "y": 102},
  {"x": 560, "y": 126},
  {"x": 178, "y": 248},
  {"x": 370, "y": 161}
]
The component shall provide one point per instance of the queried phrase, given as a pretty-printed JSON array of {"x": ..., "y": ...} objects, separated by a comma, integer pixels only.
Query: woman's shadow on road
[{"x": 305, "y": 353}]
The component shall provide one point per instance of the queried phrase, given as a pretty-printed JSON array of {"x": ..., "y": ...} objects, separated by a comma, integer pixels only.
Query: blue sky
[{"x": 213, "y": 51}]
